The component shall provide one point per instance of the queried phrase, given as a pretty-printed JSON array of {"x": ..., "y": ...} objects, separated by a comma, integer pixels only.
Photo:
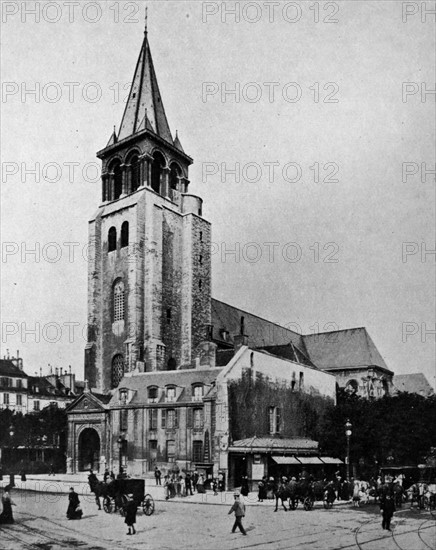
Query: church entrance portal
[{"x": 89, "y": 450}]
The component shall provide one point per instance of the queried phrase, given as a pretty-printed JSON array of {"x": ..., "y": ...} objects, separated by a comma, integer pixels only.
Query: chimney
[
  {"x": 69, "y": 369},
  {"x": 208, "y": 332},
  {"x": 40, "y": 372},
  {"x": 239, "y": 340},
  {"x": 7, "y": 351},
  {"x": 57, "y": 371},
  {"x": 60, "y": 370}
]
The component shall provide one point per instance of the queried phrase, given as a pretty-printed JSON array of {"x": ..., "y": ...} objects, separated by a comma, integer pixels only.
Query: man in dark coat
[
  {"x": 131, "y": 516},
  {"x": 387, "y": 507},
  {"x": 73, "y": 504},
  {"x": 188, "y": 484}
]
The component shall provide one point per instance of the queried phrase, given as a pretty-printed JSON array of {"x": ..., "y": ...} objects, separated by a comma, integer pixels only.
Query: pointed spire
[
  {"x": 144, "y": 107},
  {"x": 177, "y": 143},
  {"x": 113, "y": 139}
]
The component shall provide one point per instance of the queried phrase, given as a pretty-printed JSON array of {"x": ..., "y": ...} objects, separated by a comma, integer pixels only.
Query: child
[
  {"x": 239, "y": 509},
  {"x": 131, "y": 516}
]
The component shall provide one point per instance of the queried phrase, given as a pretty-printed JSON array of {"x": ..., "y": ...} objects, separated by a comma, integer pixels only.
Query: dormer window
[
  {"x": 197, "y": 392},
  {"x": 171, "y": 394},
  {"x": 123, "y": 397},
  {"x": 152, "y": 394}
]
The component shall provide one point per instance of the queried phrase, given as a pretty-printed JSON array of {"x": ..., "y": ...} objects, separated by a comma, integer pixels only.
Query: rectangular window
[
  {"x": 123, "y": 420},
  {"x": 6, "y": 398},
  {"x": 36, "y": 406},
  {"x": 198, "y": 393},
  {"x": 19, "y": 399},
  {"x": 301, "y": 384},
  {"x": 171, "y": 395},
  {"x": 198, "y": 419},
  {"x": 152, "y": 395},
  {"x": 171, "y": 419},
  {"x": 171, "y": 450},
  {"x": 152, "y": 444},
  {"x": 152, "y": 419},
  {"x": 19, "y": 383},
  {"x": 197, "y": 451},
  {"x": 274, "y": 420}
]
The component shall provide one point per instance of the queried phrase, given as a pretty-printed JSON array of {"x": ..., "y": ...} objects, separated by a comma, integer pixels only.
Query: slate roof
[
  {"x": 343, "y": 349},
  {"x": 144, "y": 108},
  {"x": 260, "y": 332},
  {"x": 413, "y": 383},
  {"x": 290, "y": 352},
  {"x": 183, "y": 378},
  {"x": 275, "y": 444},
  {"x": 7, "y": 368}
]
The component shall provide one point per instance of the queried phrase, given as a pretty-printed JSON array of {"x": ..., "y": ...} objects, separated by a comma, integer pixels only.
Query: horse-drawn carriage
[{"x": 117, "y": 492}]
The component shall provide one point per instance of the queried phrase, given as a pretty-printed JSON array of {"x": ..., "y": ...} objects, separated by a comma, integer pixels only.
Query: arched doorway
[{"x": 89, "y": 450}]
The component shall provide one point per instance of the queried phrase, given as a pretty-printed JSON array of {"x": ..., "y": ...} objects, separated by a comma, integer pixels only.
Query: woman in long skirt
[{"x": 6, "y": 517}]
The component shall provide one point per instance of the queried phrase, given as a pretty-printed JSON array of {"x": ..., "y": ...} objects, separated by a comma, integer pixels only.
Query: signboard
[{"x": 257, "y": 471}]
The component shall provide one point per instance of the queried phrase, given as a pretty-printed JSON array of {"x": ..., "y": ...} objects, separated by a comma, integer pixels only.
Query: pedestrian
[
  {"x": 244, "y": 486},
  {"x": 178, "y": 485},
  {"x": 387, "y": 508},
  {"x": 6, "y": 517},
  {"x": 112, "y": 475},
  {"x": 23, "y": 475},
  {"x": 200, "y": 484},
  {"x": 74, "y": 510},
  {"x": 195, "y": 477},
  {"x": 166, "y": 487},
  {"x": 11, "y": 481},
  {"x": 262, "y": 491},
  {"x": 182, "y": 486},
  {"x": 356, "y": 494},
  {"x": 215, "y": 486},
  {"x": 51, "y": 472},
  {"x": 220, "y": 482},
  {"x": 239, "y": 509},
  {"x": 157, "y": 475},
  {"x": 188, "y": 483},
  {"x": 131, "y": 516},
  {"x": 106, "y": 476}
]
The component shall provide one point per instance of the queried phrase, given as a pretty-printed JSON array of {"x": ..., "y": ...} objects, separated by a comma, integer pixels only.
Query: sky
[{"x": 312, "y": 129}]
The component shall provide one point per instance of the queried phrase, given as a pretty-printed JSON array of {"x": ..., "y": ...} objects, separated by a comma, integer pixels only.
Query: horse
[
  {"x": 104, "y": 490},
  {"x": 285, "y": 492}
]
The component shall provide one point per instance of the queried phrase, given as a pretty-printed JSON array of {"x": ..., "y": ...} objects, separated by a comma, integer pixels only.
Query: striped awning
[
  {"x": 286, "y": 460},
  {"x": 330, "y": 460},
  {"x": 309, "y": 460}
]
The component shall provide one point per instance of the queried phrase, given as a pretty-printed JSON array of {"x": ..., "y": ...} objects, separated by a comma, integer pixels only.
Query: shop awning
[
  {"x": 309, "y": 460},
  {"x": 330, "y": 460},
  {"x": 286, "y": 460}
]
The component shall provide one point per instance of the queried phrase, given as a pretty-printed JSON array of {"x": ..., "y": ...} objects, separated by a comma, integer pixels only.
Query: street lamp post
[
  {"x": 120, "y": 449},
  {"x": 348, "y": 433}
]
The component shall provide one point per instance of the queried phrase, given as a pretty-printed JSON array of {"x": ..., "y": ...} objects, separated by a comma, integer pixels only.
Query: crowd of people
[{"x": 181, "y": 485}]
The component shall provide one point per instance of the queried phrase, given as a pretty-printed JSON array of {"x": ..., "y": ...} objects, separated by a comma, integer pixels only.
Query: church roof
[
  {"x": 177, "y": 143},
  {"x": 260, "y": 332},
  {"x": 144, "y": 108},
  {"x": 413, "y": 383},
  {"x": 342, "y": 349}
]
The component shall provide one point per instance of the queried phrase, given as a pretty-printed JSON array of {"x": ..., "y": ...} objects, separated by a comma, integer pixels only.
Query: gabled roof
[
  {"x": 342, "y": 349},
  {"x": 183, "y": 379},
  {"x": 45, "y": 388},
  {"x": 89, "y": 401},
  {"x": 7, "y": 368},
  {"x": 260, "y": 332},
  {"x": 413, "y": 383},
  {"x": 144, "y": 108}
]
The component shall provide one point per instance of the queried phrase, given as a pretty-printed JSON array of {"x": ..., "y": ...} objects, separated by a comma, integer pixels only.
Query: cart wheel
[
  {"x": 326, "y": 504},
  {"x": 123, "y": 502},
  {"x": 308, "y": 504},
  {"x": 148, "y": 505},
  {"x": 107, "y": 505}
]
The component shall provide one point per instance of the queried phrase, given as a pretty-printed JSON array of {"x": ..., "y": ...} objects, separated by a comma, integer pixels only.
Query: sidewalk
[{"x": 60, "y": 484}]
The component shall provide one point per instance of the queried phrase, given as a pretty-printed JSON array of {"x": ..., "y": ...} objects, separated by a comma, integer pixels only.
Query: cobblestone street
[{"x": 41, "y": 523}]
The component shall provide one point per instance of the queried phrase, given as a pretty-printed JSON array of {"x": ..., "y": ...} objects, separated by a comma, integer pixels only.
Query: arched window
[
  {"x": 118, "y": 180},
  {"x": 112, "y": 239},
  {"x": 118, "y": 301},
  {"x": 135, "y": 167},
  {"x": 175, "y": 173},
  {"x": 197, "y": 392},
  {"x": 156, "y": 171},
  {"x": 117, "y": 370},
  {"x": 125, "y": 234},
  {"x": 152, "y": 394}
]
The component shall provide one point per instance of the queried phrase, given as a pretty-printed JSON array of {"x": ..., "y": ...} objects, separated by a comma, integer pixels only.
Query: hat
[
  {"x": 71, "y": 488},
  {"x": 236, "y": 494}
]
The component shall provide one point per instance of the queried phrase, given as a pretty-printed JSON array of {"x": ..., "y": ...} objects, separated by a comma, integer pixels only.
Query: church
[{"x": 175, "y": 378}]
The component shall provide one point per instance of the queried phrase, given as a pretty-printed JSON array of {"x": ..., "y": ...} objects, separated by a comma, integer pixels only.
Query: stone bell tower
[{"x": 149, "y": 277}]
